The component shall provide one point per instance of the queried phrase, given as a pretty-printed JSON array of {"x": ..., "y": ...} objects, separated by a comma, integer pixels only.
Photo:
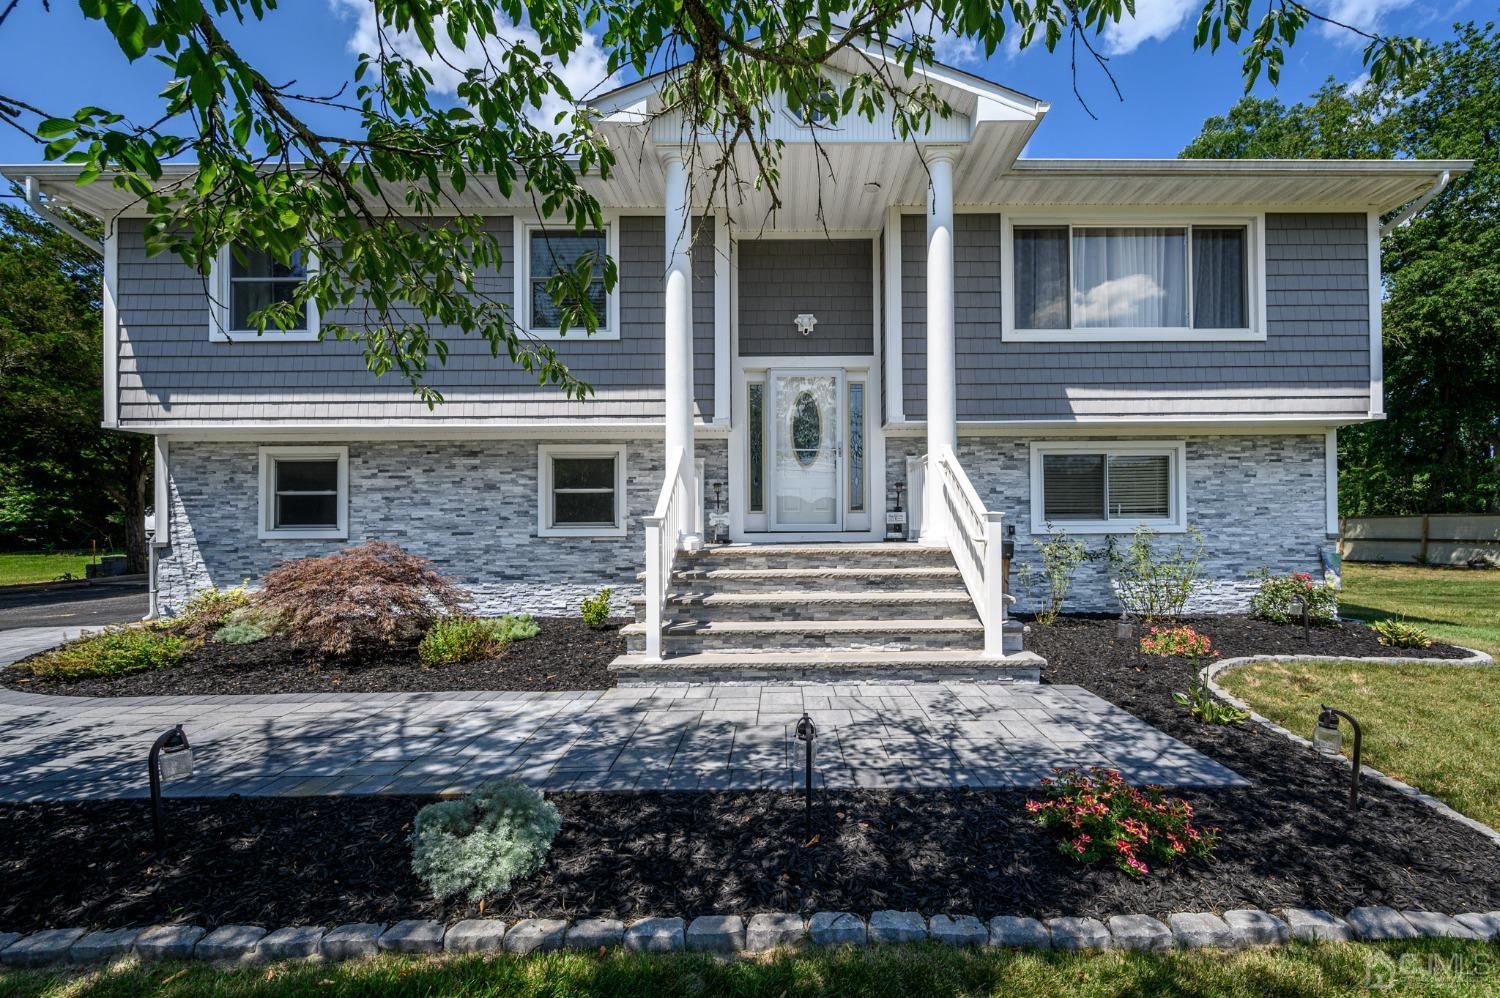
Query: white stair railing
[
  {"x": 663, "y": 528},
  {"x": 976, "y": 537}
]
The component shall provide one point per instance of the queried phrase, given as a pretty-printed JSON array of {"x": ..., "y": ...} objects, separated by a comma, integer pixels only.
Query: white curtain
[{"x": 1130, "y": 277}]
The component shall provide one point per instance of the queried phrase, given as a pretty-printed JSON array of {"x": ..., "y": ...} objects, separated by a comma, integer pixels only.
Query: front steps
[{"x": 820, "y": 612}]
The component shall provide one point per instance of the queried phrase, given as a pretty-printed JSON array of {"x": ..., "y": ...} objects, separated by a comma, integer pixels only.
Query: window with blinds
[{"x": 1080, "y": 486}]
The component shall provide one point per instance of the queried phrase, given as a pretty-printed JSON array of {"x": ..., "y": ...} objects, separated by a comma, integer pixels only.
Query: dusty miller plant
[
  {"x": 1154, "y": 581},
  {"x": 481, "y": 844}
]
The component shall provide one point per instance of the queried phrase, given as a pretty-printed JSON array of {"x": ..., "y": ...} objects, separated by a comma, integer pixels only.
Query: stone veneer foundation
[
  {"x": 1258, "y": 500},
  {"x": 471, "y": 507}
]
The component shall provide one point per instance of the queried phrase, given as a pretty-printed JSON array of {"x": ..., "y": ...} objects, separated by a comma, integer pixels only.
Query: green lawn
[
  {"x": 29, "y": 567},
  {"x": 1445, "y": 967},
  {"x": 1436, "y": 727},
  {"x": 1454, "y": 604}
]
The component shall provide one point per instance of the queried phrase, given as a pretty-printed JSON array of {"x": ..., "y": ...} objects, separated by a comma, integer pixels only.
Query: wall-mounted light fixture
[{"x": 805, "y": 322}]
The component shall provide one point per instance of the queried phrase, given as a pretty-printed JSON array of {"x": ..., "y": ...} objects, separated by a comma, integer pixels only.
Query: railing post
[
  {"x": 994, "y": 585},
  {"x": 654, "y": 586}
]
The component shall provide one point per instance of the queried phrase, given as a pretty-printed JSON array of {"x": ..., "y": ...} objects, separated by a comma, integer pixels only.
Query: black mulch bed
[
  {"x": 324, "y": 860},
  {"x": 565, "y": 655}
]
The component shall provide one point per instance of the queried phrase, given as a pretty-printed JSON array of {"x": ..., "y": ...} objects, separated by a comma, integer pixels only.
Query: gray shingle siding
[
  {"x": 1314, "y": 362},
  {"x": 170, "y": 371},
  {"x": 782, "y": 278}
]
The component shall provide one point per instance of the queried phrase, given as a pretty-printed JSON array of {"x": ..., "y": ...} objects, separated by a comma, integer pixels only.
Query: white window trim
[
  {"x": 544, "y": 455},
  {"x": 267, "y": 530},
  {"x": 1256, "y": 291},
  {"x": 609, "y": 328},
  {"x": 1176, "y": 523},
  {"x": 218, "y": 320}
]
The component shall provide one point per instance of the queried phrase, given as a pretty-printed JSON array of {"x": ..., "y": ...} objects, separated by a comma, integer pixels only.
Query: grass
[
  {"x": 1446, "y": 967},
  {"x": 1457, "y": 605},
  {"x": 1436, "y": 727},
  {"x": 24, "y": 567}
]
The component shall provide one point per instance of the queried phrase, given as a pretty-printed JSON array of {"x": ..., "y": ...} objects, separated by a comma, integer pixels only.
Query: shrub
[
  {"x": 1273, "y": 599},
  {"x": 359, "y": 600},
  {"x": 208, "y": 611},
  {"x": 246, "y": 625},
  {"x": 483, "y": 843},
  {"x": 118, "y": 651},
  {"x": 1061, "y": 557},
  {"x": 1401, "y": 634},
  {"x": 596, "y": 608},
  {"x": 1154, "y": 584},
  {"x": 1102, "y": 819},
  {"x": 1175, "y": 641},
  {"x": 462, "y": 638}
]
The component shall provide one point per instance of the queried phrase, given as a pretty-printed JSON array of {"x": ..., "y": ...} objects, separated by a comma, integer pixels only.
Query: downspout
[
  {"x": 1406, "y": 214},
  {"x": 35, "y": 203}
]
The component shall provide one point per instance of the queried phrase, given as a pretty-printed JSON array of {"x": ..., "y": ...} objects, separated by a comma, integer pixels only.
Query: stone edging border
[
  {"x": 246, "y": 944},
  {"x": 1476, "y": 658}
]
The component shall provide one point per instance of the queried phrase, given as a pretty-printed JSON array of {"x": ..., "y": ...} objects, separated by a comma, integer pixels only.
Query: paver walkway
[{"x": 669, "y": 737}]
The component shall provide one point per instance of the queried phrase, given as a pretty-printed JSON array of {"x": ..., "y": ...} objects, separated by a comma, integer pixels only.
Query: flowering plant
[
  {"x": 1273, "y": 600},
  {"x": 1175, "y": 641},
  {"x": 1103, "y": 819}
]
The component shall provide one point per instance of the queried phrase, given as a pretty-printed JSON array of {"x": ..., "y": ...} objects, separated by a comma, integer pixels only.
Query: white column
[
  {"x": 678, "y": 363},
  {"x": 942, "y": 411}
]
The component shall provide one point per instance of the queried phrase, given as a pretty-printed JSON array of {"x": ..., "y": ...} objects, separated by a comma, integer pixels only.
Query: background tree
[
  {"x": 64, "y": 481},
  {"x": 1438, "y": 450}
]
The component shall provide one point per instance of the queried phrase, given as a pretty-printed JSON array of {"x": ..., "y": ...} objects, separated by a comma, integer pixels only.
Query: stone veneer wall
[
  {"x": 1259, "y": 500},
  {"x": 470, "y": 506}
]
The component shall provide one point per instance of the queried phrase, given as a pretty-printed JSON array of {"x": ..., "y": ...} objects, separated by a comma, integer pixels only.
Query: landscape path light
[
  {"x": 806, "y": 732},
  {"x": 171, "y": 758},
  {"x": 1298, "y": 607},
  {"x": 1328, "y": 738}
]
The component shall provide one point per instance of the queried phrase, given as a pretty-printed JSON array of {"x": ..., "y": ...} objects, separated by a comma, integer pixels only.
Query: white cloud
[
  {"x": 585, "y": 73},
  {"x": 1367, "y": 15},
  {"x": 1154, "y": 20}
]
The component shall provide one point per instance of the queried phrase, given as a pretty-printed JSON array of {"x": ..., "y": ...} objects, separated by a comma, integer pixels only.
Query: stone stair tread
[
  {"x": 809, "y": 626},
  {"x": 815, "y": 550},
  {"x": 825, "y": 659},
  {"x": 789, "y": 574},
  {"x": 875, "y": 597}
]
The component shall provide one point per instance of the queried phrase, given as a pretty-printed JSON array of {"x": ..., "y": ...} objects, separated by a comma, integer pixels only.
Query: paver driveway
[{"x": 669, "y": 737}]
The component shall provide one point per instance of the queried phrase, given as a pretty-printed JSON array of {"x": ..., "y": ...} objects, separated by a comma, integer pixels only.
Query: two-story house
[{"x": 1008, "y": 346}]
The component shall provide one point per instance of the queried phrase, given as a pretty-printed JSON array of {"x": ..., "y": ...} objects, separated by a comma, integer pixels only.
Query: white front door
[{"x": 807, "y": 450}]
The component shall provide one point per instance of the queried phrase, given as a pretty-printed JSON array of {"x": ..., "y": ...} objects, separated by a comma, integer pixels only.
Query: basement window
[
  {"x": 304, "y": 493},
  {"x": 1107, "y": 488},
  {"x": 581, "y": 491}
]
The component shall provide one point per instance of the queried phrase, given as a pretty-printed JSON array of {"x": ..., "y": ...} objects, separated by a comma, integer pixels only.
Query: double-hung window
[
  {"x": 1107, "y": 487},
  {"x": 582, "y": 490},
  {"x": 304, "y": 492},
  {"x": 245, "y": 280},
  {"x": 547, "y": 251},
  {"x": 1116, "y": 281}
]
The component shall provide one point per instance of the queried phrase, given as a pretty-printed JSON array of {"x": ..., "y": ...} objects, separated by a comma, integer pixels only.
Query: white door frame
[
  {"x": 859, "y": 367},
  {"x": 773, "y": 475}
]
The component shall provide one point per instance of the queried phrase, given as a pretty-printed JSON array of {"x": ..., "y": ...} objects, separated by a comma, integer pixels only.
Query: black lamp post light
[
  {"x": 171, "y": 758},
  {"x": 807, "y": 731},
  {"x": 1328, "y": 738},
  {"x": 1298, "y": 606}
]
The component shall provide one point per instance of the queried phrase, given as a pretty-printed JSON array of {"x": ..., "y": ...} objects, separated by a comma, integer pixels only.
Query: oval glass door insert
[{"x": 807, "y": 429}]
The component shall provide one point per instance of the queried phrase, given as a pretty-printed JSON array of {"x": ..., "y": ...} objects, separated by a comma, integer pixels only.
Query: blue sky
[{"x": 60, "y": 61}]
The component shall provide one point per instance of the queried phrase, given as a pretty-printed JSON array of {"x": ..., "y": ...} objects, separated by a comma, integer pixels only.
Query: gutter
[
  {"x": 35, "y": 203},
  {"x": 1409, "y": 212}
]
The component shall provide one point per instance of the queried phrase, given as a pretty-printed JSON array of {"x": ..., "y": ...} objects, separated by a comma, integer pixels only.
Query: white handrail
[
  {"x": 662, "y": 530},
  {"x": 976, "y": 537}
]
